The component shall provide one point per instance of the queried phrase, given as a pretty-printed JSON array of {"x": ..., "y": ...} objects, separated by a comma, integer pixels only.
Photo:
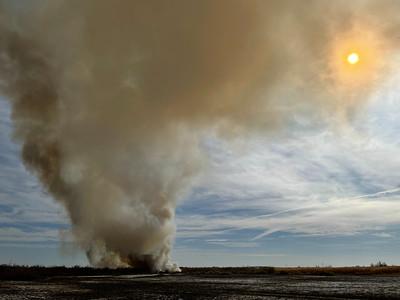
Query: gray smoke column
[{"x": 112, "y": 98}]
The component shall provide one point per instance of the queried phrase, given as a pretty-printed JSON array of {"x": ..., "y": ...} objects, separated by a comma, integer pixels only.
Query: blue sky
[{"x": 310, "y": 195}]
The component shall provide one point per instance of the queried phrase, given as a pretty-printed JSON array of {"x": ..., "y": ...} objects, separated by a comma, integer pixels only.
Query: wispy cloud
[
  {"x": 308, "y": 181},
  {"x": 27, "y": 213},
  {"x": 12, "y": 234}
]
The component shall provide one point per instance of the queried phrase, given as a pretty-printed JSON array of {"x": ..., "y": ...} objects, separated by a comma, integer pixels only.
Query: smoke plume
[{"x": 111, "y": 99}]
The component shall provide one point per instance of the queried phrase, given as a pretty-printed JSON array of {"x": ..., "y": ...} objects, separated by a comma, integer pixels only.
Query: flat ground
[{"x": 198, "y": 285}]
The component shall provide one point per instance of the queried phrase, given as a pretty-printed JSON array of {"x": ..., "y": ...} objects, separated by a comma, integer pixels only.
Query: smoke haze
[{"x": 111, "y": 99}]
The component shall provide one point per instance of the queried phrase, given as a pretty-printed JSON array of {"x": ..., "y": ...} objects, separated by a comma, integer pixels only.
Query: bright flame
[{"x": 353, "y": 58}]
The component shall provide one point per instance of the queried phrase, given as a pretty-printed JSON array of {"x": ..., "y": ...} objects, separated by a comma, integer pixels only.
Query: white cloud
[{"x": 325, "y": 181}]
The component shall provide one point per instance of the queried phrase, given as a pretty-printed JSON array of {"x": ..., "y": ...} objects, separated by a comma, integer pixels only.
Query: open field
[{"x": 205, "y": 283}]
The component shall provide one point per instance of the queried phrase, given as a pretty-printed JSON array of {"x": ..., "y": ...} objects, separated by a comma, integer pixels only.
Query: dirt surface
[{"x": 183, "y": 286}]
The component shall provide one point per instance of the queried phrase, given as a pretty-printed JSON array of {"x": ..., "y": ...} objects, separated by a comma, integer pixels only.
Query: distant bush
[{"x": 379, "y": 264}]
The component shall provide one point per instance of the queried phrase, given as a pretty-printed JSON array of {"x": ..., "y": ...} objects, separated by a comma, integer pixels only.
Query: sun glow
[
  {"x": 353, "y": 58},
  {"x": 358, "y": 58}
]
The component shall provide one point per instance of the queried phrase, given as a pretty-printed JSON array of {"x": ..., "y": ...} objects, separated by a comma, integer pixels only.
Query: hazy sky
[{"x": 246, "y": 117}]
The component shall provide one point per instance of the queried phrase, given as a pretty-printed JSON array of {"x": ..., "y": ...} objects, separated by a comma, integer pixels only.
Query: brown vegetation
[{"x": 322, "y": 271}]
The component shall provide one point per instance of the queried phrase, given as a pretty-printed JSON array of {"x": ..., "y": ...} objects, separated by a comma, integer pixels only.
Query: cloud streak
[{"x": 310, "y": 182}]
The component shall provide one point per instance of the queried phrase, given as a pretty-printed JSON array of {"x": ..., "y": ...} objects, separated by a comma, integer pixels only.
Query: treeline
[{"x": 16, "y": 272}]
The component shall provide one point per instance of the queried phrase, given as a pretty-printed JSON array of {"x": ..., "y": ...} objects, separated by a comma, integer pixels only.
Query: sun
[
  {"x": 353, "y": 58},
  {"x": 358, "y": 58}
]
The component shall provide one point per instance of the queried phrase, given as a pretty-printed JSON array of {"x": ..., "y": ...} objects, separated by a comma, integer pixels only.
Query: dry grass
[
  {"x": 326, "y": 271},
  {"x": 355, "y": 270}
]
